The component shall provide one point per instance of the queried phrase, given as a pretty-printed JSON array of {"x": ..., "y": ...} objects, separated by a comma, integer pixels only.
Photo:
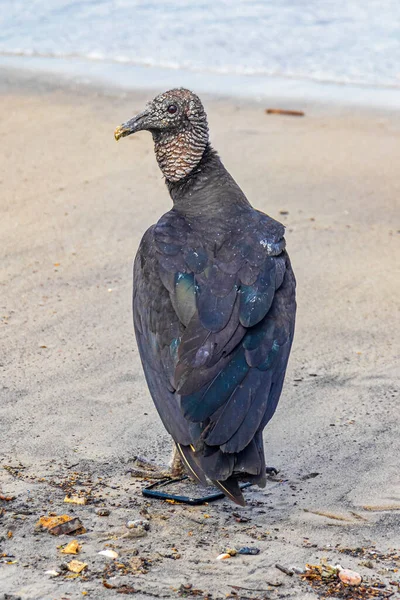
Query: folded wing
[{"x": 214, "y": 327}]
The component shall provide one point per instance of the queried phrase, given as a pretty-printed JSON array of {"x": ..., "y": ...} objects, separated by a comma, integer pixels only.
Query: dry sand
[{"x": 74, "y": 406}]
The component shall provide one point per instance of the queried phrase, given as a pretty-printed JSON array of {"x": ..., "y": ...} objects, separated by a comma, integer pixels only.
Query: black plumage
[{"x": 213, "y": 303}]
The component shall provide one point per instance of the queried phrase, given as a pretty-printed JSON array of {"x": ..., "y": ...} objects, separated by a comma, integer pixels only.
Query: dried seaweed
[{"x": 325, "y": 580}]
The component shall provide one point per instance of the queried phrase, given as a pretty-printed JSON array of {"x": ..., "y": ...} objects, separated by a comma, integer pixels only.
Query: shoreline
[{"x": 120, "y": 78}]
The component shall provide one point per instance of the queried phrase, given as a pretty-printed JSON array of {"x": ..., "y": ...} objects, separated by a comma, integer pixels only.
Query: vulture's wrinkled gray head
[{"x": 178, "y": 124}]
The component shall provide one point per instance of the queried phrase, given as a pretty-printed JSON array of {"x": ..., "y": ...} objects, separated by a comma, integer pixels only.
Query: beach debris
[
  {"x": 325, "y": 570},
  {"x": 334, "y": 581},
  {"x": 367, "y": 563},
  {"x": 138, "y": 523},
  {"x": 137, "y": 532},
  {"x": 283, "y": 111},
  {"x": 120, "y": 589},
  {"x": 76, "y": 566},
  {"x": 5, "y": 559},
  {"x": 284, "y": 570},
  {"x": 239, "y": 518},
  {"x": 272, "y": 583},
  {"x": 102, "y": 512},
  {"x": 109, "y": 553},
  {"x": 134, "y": 565},
  {"x": 175, "y": 555},
  {"x": 139, "y": 565},
  {"x": 6, "y": 498},
  {"x": 309, "y": 475},
  {"x": 108, "y": 586},
  {"x": 251, "y": 551},
  {"x": 73, "y": 525},
  {"x": 349, "y": 577},
  {"x": 187, "y": 589},
  {"x": 52, "y": 573},
  {"x": 382, "y": 508},
  {"x": 358, "y": 517},
  {"x": 71, "y": 548},
  {"x": 48, "y": 522},
  {"x": 61, "y": 525},
  {"x": 370, "y": 552},
  {"x": 283, "y": 212},
  {"x": 75, "y": 499},
  {"x": 296, "y": 569},
  {"x": 328, "y": 515},
  {"x": 137, "y": 528},
  {"x": 5, "y": 554},
  {"x": 224, "y": 556}
]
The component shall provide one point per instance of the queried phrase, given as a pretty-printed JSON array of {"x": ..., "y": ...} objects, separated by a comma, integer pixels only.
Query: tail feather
[
  {"x": 187, "y": 455},
  {"x": 231, "y": 489}
]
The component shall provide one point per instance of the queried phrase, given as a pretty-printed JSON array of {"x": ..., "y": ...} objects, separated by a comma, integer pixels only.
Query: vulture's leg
[
  {"x": 146, "y": 469},
  {"x": 176, "y": 464}
]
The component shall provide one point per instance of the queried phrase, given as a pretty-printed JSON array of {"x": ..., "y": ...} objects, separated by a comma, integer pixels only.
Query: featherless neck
[
  {"x": 178, "y": 152},
  {"x": 208, "y": 191}
]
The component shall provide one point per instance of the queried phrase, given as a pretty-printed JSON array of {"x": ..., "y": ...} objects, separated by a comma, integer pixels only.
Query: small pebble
[
  {"x": 138, "y": 523},
  {"x": 368, "y": 563},
  {"x": 102, "y": 512},
  {"x": 135, "y": 531},
  {"x": 109, "y": 553},
  {"x": 296, "y": 570}
]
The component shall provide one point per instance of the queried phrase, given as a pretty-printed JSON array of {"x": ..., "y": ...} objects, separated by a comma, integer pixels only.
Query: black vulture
[{"x": 213, "y": 303}]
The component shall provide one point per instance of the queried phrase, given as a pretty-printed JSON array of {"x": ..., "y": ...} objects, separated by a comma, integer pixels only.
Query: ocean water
[{"x": 354, "y": 42}]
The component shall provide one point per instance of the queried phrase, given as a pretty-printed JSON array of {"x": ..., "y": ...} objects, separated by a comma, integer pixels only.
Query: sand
[{"x": 75, "y": 409}]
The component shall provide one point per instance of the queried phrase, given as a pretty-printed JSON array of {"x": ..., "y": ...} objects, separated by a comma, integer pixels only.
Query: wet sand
[{"x": 74, "y": 406}]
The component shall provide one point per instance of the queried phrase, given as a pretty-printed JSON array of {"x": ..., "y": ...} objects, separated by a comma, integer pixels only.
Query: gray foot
[{"x": 145, "y": 469}]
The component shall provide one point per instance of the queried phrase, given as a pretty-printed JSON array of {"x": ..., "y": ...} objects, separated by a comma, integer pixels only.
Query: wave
[{"x": 318, "y": 77}]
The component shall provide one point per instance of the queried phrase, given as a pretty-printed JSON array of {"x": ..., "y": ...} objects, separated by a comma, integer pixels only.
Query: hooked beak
[{"x": 137, "y": 123}]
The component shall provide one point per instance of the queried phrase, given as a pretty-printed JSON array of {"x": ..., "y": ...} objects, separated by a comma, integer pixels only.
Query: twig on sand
[
  {"x": 357, "y": 516},
  {"x": 320, "y": 513},
  {"x": 285, "y": 570},
  {"x": 240, "y": 587},
  {"x": 382, "y": 508},
  {"x": 282, "y": 111}
]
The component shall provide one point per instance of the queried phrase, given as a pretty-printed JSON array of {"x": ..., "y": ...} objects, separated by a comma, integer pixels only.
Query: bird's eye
[{"x": 172, "y": 108}]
